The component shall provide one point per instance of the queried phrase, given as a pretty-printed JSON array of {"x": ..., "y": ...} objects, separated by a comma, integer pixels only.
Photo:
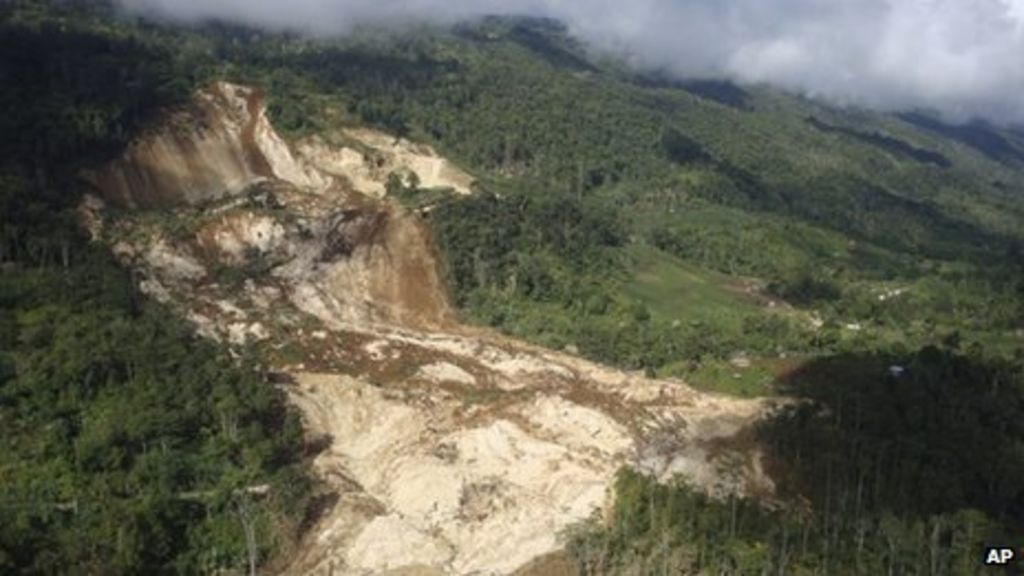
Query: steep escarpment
[
  {"x": 449, "y": 449},
  {"x": 222, "y": 143},
  {"x": 219, "y": 145}
]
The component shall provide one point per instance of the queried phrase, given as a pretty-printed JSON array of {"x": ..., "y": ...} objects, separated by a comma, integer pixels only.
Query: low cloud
[{"x": 964, "y": 58}]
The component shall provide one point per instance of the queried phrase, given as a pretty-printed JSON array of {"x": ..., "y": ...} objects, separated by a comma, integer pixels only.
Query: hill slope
[
  {"x": 746, "y": 240},
  {"x": 446, "y": 447}
]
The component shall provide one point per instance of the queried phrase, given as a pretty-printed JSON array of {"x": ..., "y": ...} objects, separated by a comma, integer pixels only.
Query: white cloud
[{"x": 963, "y": 57}]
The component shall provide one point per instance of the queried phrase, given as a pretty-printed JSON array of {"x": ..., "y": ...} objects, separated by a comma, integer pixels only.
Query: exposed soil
[{"x": 448, "y": 449}]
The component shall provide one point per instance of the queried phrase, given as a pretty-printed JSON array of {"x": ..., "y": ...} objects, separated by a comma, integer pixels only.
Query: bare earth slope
[{"x": 452, "y": 450}]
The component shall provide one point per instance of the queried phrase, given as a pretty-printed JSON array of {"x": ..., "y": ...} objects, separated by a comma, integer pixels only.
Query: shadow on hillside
[
  {"x": 927, "y": 433},
  {"x": 884, "y": 142},
  {"x": 977, "y": 135},
  {"x": 720, "y": 91},
  {"x": 73, "y": 94}
]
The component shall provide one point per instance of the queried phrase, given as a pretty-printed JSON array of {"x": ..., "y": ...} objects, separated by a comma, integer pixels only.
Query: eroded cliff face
[
  {"x": 219, "y": 145},
  {"x": 452, "y": 450},
  {"x": 223, "y": 143}
]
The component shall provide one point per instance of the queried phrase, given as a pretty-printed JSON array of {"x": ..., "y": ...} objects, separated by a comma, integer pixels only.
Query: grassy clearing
[
  {"x": 676, "y": 291},
  {"x": 755, "y": 378}
]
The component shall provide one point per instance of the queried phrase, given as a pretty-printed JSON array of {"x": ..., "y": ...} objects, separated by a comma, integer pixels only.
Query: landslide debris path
[{"x": 452, "y": 450}]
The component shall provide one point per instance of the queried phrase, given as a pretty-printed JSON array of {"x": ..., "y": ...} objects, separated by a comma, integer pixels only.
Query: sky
[{"x": 962, "y": 58}]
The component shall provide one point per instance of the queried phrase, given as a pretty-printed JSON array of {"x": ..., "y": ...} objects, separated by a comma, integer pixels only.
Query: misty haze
[{"x": 957, "y": 57}]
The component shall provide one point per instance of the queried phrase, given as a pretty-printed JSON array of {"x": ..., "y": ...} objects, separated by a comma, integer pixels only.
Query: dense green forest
[
  {"x": 653, "y": 224},
  {"x": 129, "y": 446}
]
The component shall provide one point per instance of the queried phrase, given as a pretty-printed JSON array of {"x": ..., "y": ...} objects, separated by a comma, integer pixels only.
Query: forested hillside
[
  {"x": 746, "y": 240},
  {"x": 598, "y": 183},
  {"x": 129, "y": 445}
]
